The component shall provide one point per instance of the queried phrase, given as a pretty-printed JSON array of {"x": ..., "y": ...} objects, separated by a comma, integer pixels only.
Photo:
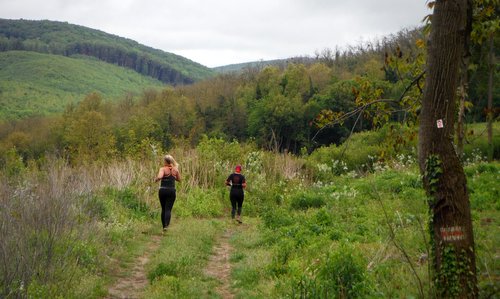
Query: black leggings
[
  {"x": 167, "y": 199},
  {"x": 236, "y": 196}
]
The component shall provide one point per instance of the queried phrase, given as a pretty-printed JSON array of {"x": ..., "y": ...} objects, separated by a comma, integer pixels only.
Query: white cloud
[{"x": 220, "y": 32}]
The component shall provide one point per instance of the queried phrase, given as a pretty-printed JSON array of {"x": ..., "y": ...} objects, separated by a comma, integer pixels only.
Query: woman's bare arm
[
  {"x": 160, "y": 175},
  {"x": 177, "y": 175}
]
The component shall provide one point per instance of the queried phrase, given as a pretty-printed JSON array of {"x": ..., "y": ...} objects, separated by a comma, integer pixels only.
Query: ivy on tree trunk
[{"x": 443, "y": 175}]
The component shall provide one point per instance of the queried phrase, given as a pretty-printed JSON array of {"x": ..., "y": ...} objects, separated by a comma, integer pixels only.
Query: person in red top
[
  {"x": 167, "y": 174},
  {"x": 237, "y": 182}
]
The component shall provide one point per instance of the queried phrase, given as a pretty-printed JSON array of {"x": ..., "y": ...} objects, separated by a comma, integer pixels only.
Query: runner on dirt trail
[
  {"x": 168, "y": 174},
  {"x": 237, "y": 182}
]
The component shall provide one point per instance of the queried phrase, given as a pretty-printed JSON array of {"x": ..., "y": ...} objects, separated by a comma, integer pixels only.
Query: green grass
[
  {"x": 41, "y": 84},
  {"x": 299, "y": 238},
  {"x": 249, "y": 261},
  {"x": 176, "y": 270},
  {"x": 286, "y": 254}
]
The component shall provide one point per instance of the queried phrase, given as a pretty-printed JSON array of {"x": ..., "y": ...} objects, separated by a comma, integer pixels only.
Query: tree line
[{"x": 296, "y": 106}]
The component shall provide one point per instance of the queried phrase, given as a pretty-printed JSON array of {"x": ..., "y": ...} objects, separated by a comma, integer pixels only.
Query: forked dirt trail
[
  {"x": 219, "y": 266},
  {"x": 132, "y": 286}
]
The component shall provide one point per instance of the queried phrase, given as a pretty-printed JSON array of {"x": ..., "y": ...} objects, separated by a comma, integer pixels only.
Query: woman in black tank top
[
  {"x": 167, "y": 175},
  {"x": 237, "y": 182}
]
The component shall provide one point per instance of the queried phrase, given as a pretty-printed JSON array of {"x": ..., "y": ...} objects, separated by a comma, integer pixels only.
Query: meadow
[{"x": 338, "y": 223}]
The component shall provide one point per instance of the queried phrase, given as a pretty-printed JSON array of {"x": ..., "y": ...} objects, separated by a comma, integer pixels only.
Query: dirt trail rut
[
  {"x": 219, "y": 266},
  {"x": 131, "y": 287}
]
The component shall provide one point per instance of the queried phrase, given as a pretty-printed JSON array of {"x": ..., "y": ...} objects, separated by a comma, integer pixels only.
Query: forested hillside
[
  {"x": 61, "y": 38},
  {"x": 35, "y": 84},
  {"x": 295, "y": 107}
]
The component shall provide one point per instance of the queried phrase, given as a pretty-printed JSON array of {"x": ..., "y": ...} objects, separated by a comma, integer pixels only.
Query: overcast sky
[{"x": 222, "y": 32}]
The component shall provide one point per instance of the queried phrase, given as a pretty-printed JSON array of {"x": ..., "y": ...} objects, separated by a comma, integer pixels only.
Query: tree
[
  {"x": 443, "y": 175},
  {"x": 87, "y": 133}
]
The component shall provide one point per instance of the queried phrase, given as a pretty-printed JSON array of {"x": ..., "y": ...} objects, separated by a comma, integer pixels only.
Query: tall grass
[
  {"x": 47, "y": 215},
  {"x": 62, "y": 226},
  {"x": 39, "y": 230}
]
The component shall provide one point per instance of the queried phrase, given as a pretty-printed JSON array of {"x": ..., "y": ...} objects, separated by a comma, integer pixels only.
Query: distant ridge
[
  {"x": 238, "y": 67},
  {"x": 62, "y": 38}
]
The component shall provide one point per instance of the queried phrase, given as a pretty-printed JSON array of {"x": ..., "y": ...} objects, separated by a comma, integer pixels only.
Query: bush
[
  {"x": 306, "y": 200},
  {"x": 340, "y": 275},
  {"x": 337, "y": 160},
  {"x": 275, "y": 217},
  {"x": 95, "y": 206},
  {"x": 129, "y": 199},
  {"x": 38, "y": 234},
  {"x": 200, "y": 202}
]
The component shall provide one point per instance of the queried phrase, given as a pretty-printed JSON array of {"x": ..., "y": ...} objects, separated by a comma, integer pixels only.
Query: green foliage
[
  {"x": 212, "y": 162},
  {"x": 341, "y": 275},
  {"x": 320, "y": 224},
  {"x": 482, "y": 183},
  {"x": 128, "y": 198},
  {"x": 276, "y": 217},
  {"x": 163, "y": 270},
  {"x": 323, "y": 239},
  {"x": 86, "y": 131},
  {"x": 306, "y": 200},
  {"x": 202, "y": 203},
  {"x": 41, "y": 84},
  {"x": 13, "y": 163},
  {"x": 433, "y": 171},
  {"x": 454, "y": 265},
  {"x": 476, "y": 148},
  {"x": 339, "y": 159}
]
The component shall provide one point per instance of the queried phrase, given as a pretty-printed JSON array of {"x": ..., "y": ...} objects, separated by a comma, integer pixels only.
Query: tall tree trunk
[
  {"x": 489, "y": 115},
  {"x": 450, "y": 225}
]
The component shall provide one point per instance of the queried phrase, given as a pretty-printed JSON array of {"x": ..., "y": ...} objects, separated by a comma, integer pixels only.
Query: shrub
[
  {"x": 306, "y": 200},
  {"x": 283, "y": 253},
  {"x": 337, "y": 160},
  {"x": 275, "y": 217},
  {"x": 130, "y": 200},
  {"x": 340, "y": 275},
  {"x": 200, "y": 202},
  {"x": 95, "y": 206},
  {"x": 38, "y": 233}
]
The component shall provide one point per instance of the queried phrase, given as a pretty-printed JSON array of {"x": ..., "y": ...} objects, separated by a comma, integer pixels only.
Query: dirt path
[
  {"x": 131, "y": 287},
  {"x": 219, "y": 266}
]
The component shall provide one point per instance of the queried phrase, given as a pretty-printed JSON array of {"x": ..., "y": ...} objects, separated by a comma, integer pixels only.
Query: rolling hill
[
  {"x": 61, "y": 38},
  {"x": 42, "y": 84},
  {"x": 45, "y": 65}
]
